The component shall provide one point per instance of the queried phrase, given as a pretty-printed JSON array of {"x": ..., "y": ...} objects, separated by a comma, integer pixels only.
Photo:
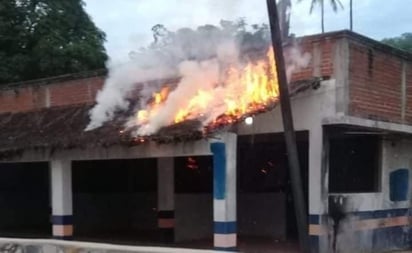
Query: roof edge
[
  {"x": 353, "y": 36},
  {"x": 54, "y": 79}
]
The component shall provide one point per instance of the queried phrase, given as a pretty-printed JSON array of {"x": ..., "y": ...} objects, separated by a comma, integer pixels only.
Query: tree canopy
[
  {"x": 403, "y": 42},
  {"x": 188, "y": 44},
  {"x": 335, "y": 6},
  {"x": 41, "y": 38}
]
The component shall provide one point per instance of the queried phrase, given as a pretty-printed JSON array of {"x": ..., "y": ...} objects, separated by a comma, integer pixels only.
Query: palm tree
[
  {"x": 334, "y": 3},
  {"x": 284, "y": 8}
]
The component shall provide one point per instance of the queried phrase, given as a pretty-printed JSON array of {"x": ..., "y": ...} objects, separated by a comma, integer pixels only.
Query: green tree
[
  {"x": 335, "y": 6},
  {"x": 188, "y": 44},
  {"x": 403, "y": 42},
  {"x": 40, "y": 38}
]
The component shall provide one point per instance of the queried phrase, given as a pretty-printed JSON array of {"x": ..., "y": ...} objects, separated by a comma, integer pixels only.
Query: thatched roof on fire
[{"x": 63, "y": 128}]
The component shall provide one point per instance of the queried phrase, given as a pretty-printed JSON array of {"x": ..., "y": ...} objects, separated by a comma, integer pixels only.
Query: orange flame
[
  {"x": 246, "y": 89},
  {"x": 199, "y": 101},
  {"x": 157, "y": 99}
]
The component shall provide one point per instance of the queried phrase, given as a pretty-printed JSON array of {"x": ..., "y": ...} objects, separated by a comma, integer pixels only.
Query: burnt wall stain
[{"x": 337, "y": 214}]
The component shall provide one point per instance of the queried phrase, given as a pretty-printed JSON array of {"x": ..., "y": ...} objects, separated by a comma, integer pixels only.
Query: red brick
[
  {"x": 37, "y": 96},
  {"x": 375, "y": 89}
]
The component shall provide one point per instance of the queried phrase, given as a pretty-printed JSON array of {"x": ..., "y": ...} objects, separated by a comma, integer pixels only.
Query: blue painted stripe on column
[
  {"x": 219, "y": 169},
  {"x": 230, "y": 249},
  {"x": 228, "y": 227},
  {"x": 62, "y": 219},
  {"x": 391, "y": 213},
  {"x": 376, "y": 214},
  {"x": 314, "y": 219}
]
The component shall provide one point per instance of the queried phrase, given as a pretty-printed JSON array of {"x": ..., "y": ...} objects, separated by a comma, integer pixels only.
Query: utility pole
[
  {"x": 322, "y": 10},
  {"x": 351, "y": 14},
  {"x": 290, "y": 137}
]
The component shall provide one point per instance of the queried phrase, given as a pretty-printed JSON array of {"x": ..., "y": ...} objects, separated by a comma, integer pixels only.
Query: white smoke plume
[
  {"x": 295, "y": 60},
  {"x": 197, "y": 57},
  {"x": 121, "y": 81}
]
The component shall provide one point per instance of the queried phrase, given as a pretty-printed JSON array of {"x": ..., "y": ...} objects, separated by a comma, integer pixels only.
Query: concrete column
[
  {"x": 404, "y": 92},
  {"x": 61, "y": 191},
  {"x": 318, "y": 190},
  {"x": 165, "y": 198},
  {"x": 224, "y": 192},
  {"x": 341, "y": 73}
]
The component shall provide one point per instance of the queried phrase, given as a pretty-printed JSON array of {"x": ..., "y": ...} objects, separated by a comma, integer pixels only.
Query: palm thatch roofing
[{"x": 61, "y": 128}]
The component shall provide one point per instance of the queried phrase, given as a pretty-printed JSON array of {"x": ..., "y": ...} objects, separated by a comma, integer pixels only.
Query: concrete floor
[
  {"x": 261, "y": 245},
  {"x": 245, "y": 244},
  {"x": 249, "y": 245}
]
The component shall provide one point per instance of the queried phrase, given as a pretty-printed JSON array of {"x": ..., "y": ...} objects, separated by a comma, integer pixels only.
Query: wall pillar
[
  {"x": 318, "y": 190},
  {"x": 61, "y": 192},
  {"x": 165, "y": 198},
  {"x": 224, "y": 192}
]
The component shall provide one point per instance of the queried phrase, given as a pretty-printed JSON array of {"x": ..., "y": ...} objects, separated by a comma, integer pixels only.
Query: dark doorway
[
  {"x": 25, "y": 200},
  {"x": 115, "y": 200},
  {"x": 264, "y": 184}
]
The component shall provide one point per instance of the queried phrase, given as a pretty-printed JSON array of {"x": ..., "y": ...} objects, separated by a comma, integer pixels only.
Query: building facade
[{"x": 354, "y": 139}]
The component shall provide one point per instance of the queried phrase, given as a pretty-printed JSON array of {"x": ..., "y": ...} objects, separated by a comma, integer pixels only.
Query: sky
[{"x": 127, "y": 23}]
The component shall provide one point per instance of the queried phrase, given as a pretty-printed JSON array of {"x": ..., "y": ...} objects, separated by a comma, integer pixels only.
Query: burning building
[{"x": 145, "y": 175}]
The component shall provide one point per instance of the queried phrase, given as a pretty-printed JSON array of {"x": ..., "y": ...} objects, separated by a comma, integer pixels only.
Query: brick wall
[
  {"x": 17, "y": 100},
  {"x": 375, "y": 84},
  {"x": 321, "y": 49},
  {"x": 60, "y": 93},
  {"x": 75, "y": 91}
]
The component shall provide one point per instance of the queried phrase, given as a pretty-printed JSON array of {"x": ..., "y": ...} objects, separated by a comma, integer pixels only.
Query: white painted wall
[
  {"x": 61, "y": 187},
  {"x": 395, "y": 154}
]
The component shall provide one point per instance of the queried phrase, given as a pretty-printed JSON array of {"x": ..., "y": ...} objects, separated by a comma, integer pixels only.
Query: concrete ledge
[
  {"x": 355, "y": 121},
  {"x": 147, "y": 150}
]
